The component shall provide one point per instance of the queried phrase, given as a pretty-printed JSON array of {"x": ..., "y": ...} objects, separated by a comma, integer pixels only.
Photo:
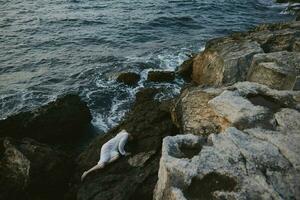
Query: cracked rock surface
[{"x": 246, "y": 160}]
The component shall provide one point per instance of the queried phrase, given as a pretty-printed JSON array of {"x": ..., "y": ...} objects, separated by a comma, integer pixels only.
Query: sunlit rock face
[
  {"x": 268, "y": 54},
  {"x": 255, "y": 157}
]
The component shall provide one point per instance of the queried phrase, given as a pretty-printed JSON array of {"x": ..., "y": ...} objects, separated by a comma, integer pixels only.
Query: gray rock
[
  {"x": 238, "y": 110},
  {"x": 288, "y": 119},
  {"x": 277, "y": 70},
  {"x": 231, "y": 165}
]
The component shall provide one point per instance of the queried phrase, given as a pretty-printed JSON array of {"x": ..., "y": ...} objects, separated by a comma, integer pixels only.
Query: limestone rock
[
  {"x": 288, "y": 119},
  {"x": 63, "y": 120},
  {"x": 224, "y": 61},
  {"x": 230, "y": 165},
  {"x": 277, "y": 70},
  {"x": 248, "y": 104},
  {"x": 192, "y": 114},
  {"x": 227, "y": 60}
]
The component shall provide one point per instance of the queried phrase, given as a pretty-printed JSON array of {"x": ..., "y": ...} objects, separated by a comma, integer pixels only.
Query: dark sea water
[{"x": 52, "y": 47}]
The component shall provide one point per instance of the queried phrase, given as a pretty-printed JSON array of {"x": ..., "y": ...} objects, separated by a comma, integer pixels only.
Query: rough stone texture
[
  {"x": 63, "y": 120},
  {"x": 161, "y": 76},
  {"x": 251, "y": 105},
  {"x": 257, "y": 165},
  {"x": 277, "y": 70},
  {"x": 135, "y": 176},
  {"x": 192, "y": 114},
  {"x": 224, "y": 61},
  {"x": 227, "y": 60},
  {"x": 129, "y": 78},
  {"x": 259, "y": 161},
  {"x": 31, "y": 170}
]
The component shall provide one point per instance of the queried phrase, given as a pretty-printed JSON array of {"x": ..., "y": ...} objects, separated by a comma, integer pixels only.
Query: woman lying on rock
[{"x": 111, "y": 151}]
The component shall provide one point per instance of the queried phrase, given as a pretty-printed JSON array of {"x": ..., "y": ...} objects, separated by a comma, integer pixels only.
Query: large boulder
[
  {"x": 247, "y": 104},
  {"x": 63, "y": 120},
  {"x": 278, "y": 70},
  {"x": 132, "y": 177},
  {"x": 31, "y": 170},
  {"x": 224, "y": 61},
  {"x": 192, "y": 114}
]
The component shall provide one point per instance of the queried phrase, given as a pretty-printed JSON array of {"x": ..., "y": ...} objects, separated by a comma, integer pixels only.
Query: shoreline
[{"x": 204, "y": 108}]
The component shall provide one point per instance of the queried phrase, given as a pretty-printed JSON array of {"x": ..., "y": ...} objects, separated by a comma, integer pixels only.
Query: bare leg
[{"x": 98, "y": 166}]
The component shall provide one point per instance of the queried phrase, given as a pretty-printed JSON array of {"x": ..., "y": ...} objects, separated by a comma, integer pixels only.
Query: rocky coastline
[{"x": 232, "y": 133}]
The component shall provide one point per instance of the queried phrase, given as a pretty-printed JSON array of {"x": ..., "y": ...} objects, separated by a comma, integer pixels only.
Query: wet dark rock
[
  {"x": 14, "y": 171},
  {"x": 31, "y": 170},
  {"x": 146, "y": 95},
  {"x": 148, "y": 122},
  {"x": 63, "y": 120},
  {"x": 129, "y": 78},
  {"x": 161, "y": 76},
  {"x": 185, "y": 70}
]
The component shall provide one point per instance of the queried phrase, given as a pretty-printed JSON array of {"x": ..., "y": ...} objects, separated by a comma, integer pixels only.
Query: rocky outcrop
[
  {"x": 132, "y": 177},
  {"x": 268, "y": 54},
  {"x": 224, "y": 61},
  {"x": 248, "y": 104},
  {"x": 254, "y": 158},
  {"x": 277, "y": 70},
  {"x": 161, "y": 76},
  {"x": 61, "y": 121},
  {"x": 129, "y": 78},
  {"x": 192, "y": 114},
  {"x": 31, "y": 170}
]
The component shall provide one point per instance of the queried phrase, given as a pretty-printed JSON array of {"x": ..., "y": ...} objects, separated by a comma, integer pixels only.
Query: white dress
[{"x": 113, "y": 147}]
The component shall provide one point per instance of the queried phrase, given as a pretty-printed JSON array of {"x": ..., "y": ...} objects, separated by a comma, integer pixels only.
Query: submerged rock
[
  {"x": 132, "y": 177},
  {"x": 161, "y": 76},
  {"x": 63, "y": 120},
  {"x": 129, "y": 78}
]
